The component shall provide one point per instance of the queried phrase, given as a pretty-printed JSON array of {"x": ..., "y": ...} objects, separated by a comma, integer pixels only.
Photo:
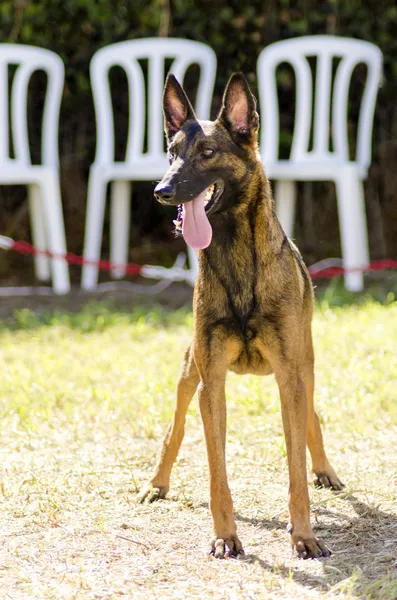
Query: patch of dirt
[{"x": 73, "y": 528}]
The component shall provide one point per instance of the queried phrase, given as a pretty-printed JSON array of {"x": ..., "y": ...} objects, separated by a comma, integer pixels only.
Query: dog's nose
[{"x": 164, "y": 193}]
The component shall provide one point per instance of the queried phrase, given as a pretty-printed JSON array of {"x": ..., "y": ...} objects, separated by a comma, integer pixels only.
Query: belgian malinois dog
[{"x": 253, "y": 304}]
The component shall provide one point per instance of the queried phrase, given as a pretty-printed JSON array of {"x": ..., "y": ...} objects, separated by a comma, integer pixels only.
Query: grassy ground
[{"x": 84, "y": 401}]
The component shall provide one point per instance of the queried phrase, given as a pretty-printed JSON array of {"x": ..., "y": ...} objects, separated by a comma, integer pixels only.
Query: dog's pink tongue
[{"x": 196, "y": 228}]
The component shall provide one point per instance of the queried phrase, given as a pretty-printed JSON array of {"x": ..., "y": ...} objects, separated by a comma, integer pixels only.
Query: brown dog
[{"x": 253, "y": 303}]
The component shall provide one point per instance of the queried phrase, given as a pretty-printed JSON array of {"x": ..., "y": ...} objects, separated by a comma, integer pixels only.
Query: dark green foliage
[{"x": 237, "y": 31}]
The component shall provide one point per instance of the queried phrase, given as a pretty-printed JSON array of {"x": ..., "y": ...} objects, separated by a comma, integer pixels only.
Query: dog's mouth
[
  {"x": 192, "y": 220},
  {"x": 213, "y": 193}
]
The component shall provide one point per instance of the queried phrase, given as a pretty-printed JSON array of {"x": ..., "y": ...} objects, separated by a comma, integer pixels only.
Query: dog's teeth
[{"x": 208, "y": 194}]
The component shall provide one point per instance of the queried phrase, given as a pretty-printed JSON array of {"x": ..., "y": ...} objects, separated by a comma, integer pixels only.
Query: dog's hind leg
[
  {"x": 294, "y": 413},
  {"x": 325, "y": 474},
  {"x": 187, "y": 385}
]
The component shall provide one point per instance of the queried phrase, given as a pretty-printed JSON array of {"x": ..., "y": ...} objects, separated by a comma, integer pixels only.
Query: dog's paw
[
  {"x": 310, "y": 547},
  {"x": 328, "y": 479},
  {"x": 226, "y": 548},
  {"x": 152, "y": 493}
]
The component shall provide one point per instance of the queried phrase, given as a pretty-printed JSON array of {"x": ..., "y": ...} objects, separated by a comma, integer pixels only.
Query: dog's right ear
[{"x": 176, "y": 106}]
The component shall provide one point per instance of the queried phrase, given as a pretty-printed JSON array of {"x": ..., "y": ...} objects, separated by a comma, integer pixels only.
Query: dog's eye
[
  {"x": 171, "y": 157},
  {"x": 208, "y": 152}
]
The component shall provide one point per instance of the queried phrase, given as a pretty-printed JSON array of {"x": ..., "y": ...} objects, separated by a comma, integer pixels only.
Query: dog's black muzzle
[{"x": 165, "y": 192}]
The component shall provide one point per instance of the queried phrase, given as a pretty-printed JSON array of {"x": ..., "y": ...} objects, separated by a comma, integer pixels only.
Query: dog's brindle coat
[{"x": 253, "y": 304}]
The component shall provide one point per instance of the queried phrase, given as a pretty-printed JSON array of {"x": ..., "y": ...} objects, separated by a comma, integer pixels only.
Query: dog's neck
[
  {"x": 251, "y": 216},
  {"x": 245, "y": 241}
]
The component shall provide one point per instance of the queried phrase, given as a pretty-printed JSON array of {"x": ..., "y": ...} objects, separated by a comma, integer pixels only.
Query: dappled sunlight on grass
[
  {"x": 102, "y": 363},
  {"x": 84, "y": 401}
]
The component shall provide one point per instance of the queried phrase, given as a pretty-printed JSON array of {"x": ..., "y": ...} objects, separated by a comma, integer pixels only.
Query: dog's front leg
[
  {"x": 187, "y": 385},
  {"x": 212, "y": 403},
  {"x": 294, "y": 413}
]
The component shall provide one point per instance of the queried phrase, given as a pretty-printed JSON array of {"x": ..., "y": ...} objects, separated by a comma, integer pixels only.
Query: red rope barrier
[
  {"x": 374, "y": 266},
  {"x": 135, "y": 269},
  {"x": 74, "y": 259}
]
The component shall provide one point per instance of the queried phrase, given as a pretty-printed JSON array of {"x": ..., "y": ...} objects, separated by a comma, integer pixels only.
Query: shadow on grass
[
  {"x": 96, "y": 311},
  {"x": 98, "y": 317},
  {"x": 334, "y": 294},
  {"x": 364, "y": 552}
]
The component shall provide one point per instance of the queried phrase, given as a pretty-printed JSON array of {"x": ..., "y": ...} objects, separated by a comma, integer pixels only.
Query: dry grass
[{"x": 84, "y": 401}]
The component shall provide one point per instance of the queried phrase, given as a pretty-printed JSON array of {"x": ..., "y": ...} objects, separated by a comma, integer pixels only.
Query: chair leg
[
  {"x": 95, "y": 212},
  {"x": 353, "y": 225},
  {"x": 120, "y": 207},
  {"x": 285, "y": 197},
  {"x": 55, "y": 231},
  {"x": 37, "y": 219}
]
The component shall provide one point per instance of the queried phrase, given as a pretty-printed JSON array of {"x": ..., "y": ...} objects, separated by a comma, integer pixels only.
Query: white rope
[
  {"x": 326, "y": 263},
  {"x": 167, "y": 276},
  {"x": 5, "y": 242}
]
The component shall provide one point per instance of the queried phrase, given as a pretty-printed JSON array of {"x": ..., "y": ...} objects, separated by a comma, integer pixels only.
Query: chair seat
[
  {"x": 24, "y": 174},
  {"x": 140, "y": 169},
  {"x": 327, "y": 170}
]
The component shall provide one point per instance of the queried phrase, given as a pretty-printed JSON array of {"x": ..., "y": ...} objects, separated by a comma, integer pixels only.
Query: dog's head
[{"x": 210, "y": 162}]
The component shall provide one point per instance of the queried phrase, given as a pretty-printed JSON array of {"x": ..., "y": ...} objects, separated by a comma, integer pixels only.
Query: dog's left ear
[
  {"x": 176, "y": 106},
  {"x": 238, "y": 112}
]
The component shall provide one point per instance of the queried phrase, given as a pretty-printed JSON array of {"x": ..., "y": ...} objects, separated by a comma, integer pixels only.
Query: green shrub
[{"x": 237, "y": 31}]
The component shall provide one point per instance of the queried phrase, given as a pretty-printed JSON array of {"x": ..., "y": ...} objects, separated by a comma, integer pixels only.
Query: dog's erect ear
[
  {"x": 238, "y": 112},
  {"x": 176, "y": 106}
]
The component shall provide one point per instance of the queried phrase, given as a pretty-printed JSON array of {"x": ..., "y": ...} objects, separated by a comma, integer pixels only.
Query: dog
[{"x": 253, "y": 304}]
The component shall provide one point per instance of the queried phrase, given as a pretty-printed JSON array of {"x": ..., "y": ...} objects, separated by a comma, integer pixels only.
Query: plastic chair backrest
[
  {"x": 29, "y": 59},
  {"x": 126, "y": 55},
  {"x": 325, "y": 48}
]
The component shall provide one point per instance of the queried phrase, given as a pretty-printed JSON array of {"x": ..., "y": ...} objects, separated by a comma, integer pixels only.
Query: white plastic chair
[
  {"x": 138, "y": 165},
  {"x": 321, "y": 163},
  {"x": 42, "y": 180}
]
